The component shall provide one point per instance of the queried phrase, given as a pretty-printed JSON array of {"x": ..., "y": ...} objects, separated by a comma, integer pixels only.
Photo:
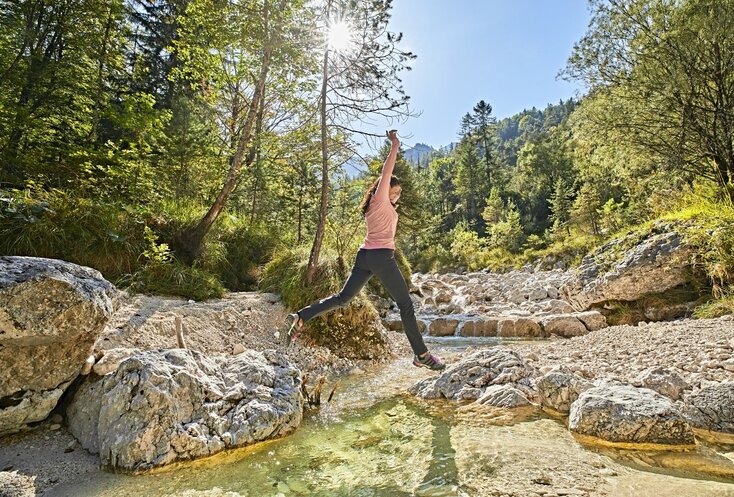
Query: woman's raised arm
[{"x": 383, "y": 188}]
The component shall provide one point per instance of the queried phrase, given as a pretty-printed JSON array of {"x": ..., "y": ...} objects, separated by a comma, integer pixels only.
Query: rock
[
  {"x": 469, "y": 378},
  {"x": 505, "y": 396},
  {"x": 663, "y": 381},
  {"x": 593, "y": 320},
  {"x": 238, "y": 349},
  {"x": 560, "y": 388},
  {"x": 479, "y": 328},
  {"x": 563, "y": 325},
  {"x": 667, "y": 312},
  {"x": 112, "y": 358},
  {"x": 167, "y": 405},
  {"x": 442, "y": 297},
  {"x": 712, "y": 408},
  {"x": 51, "y": 312},
  {"x": 518, "y": 327},
  {"x": 612, "y": 272},
  {"x": 393, "y": 324},
  {"x": 625, "y": 414},
  {"x": 442, "y": 327},
  {"x": 538, "y": 294},
  {"x": 14, "y": 484}
]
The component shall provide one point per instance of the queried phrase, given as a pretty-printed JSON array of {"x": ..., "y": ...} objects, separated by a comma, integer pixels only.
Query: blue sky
[{"x": 507, "y": 52}]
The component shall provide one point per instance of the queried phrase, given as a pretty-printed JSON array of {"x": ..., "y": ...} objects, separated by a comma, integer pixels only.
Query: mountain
[{"x": 418, "y": 154}]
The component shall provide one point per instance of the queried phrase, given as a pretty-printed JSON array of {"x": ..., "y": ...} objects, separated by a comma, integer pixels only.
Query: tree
[
  {"x": 257, "y": 40},
  {"x": 665, "y": 73},
  {"x": 481, "y": 126},
  {"x": 560, "y": 206},
  {"x": 495, "y": 206},
  {"x": 360, "y": 80},
  {"x": 585, "y": 211}
]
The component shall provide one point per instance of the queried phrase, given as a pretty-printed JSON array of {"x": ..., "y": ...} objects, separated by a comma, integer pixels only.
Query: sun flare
[{"x": 340, "y": 36}]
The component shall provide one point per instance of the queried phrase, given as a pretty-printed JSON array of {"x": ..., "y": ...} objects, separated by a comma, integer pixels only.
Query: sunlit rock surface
[
  {"x": 625, "y": 414},
  {"x": 162, "y": 406},
  {"x": 470, "y": 378},
  {"x": 51, "y": 312}
]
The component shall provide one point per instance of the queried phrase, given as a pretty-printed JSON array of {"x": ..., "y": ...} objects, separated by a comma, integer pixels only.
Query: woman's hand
[{"x": 393, "y": 137}]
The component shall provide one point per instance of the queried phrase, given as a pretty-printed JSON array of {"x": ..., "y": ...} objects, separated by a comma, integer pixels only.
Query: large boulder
[
  {"x": 163, "y": 406},
  {"x": 712, "y": 408},
  {"x": 623, "y": 414},
  {"x": 443, "y": 327},
  {"x": 471, "y": 377},
  {"x": 626, "y": 269},
  {"x": 51, "y": 312},
  {"x": 559, "y": 388}
]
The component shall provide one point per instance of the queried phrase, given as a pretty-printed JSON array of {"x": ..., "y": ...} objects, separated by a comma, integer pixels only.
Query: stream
[{"x": 375, "y": 440}]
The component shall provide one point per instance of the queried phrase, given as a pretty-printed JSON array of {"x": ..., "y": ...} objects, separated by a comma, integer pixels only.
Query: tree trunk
[
  {"x": 313, "y": 259},
  {"x": 189, "y": 242}
]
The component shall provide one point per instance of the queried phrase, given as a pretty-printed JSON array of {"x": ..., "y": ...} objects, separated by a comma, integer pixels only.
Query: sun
[{"x": 340, "y": 36}]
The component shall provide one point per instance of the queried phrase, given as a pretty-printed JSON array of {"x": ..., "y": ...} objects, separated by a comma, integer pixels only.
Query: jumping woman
[{"x": 376, "y": 256}]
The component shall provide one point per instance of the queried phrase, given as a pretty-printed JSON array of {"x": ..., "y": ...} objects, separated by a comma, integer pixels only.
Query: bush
[
  {"x": 106, "y": 236},
  {"x": 353, "y": 331}
]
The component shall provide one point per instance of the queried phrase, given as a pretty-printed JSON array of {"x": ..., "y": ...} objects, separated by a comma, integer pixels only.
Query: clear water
[{"x": 373, "y": 440}]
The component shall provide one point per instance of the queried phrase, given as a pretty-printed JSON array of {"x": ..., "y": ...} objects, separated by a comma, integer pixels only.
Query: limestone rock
[
  {"x": 625, "y": 414},
  {"x": 443, "y": 327},
  {"x": 469, "y": 378},
  {"x": 593, "y": 320},
  {"x": 479, "y": 328},
  {"x": 112, "y": 359},
  {"x": 518, "y": 327},
  {"x": 563, "y": 326},
  {"x": 664, "y": 381},
  {"x": 560, "y": 388},
  {"x": 168, "y": 405},
  {"x": 656, "y": 264},
  {"x": 505, "y": 396},
  {"x": 712, "y": 408},
  {"x": 51, "y": 312},
  {"x": 14, "y": 484}
]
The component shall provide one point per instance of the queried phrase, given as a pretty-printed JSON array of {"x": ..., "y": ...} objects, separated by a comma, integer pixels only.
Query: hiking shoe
[
  {"x": 429, "y": 361},
  {"x": 291, "y": 328}
]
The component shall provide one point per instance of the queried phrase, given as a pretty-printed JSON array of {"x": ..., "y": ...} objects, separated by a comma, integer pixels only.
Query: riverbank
[{"x": 506, "y": 458}]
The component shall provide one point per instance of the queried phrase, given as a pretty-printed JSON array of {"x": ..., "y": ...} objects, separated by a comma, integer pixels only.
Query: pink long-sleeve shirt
[{"x": 381, "y": 217}]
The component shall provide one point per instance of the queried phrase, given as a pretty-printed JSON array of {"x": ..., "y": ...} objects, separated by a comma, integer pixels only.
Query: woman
[{"x": 376, "y": 256}]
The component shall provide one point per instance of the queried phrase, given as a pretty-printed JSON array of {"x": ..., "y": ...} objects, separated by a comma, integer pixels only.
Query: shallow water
[{"x": 374, "y": 441}]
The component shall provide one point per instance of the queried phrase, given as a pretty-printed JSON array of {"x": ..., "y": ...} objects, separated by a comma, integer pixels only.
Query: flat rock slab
[
  {"x": 51, "y": 312},
  {"x": 163, "y": 406},
  {"x": 623, "y": 414},
  {"x": 470, "y": 378}
]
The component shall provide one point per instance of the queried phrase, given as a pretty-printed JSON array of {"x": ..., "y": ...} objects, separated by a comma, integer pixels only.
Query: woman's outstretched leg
[
  {"x": 387, "y": 270},
  {"x": 359, "y": 276}
]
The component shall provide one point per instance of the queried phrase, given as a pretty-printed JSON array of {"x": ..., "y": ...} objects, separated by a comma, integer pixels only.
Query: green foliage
[
  {"x": 106, "y": 236},
  {"x": 716, "y": 308}
]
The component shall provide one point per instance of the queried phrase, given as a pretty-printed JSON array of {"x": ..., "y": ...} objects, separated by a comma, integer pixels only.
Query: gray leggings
[{"x": 380, "y": 262}]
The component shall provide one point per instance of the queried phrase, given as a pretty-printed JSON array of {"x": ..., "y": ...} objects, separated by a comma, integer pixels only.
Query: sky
[{"x": 506, "y": 52}]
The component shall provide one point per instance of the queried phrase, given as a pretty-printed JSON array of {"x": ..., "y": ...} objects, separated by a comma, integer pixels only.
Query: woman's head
[{"x": 395, "y": 191}]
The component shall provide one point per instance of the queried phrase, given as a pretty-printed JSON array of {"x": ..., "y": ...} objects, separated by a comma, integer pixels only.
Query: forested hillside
[{"x": 184, "y": 146}]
